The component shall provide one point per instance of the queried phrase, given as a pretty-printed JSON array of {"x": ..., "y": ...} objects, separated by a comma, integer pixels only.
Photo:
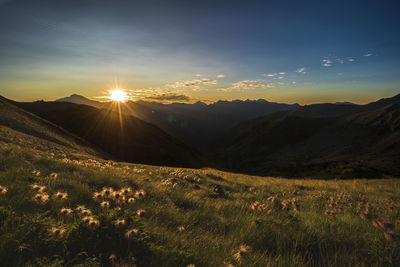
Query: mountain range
[
  {"x": 197, "y": 124},
  {"x": 125, "y": 137},
  {"x": 340, "y": 140}
]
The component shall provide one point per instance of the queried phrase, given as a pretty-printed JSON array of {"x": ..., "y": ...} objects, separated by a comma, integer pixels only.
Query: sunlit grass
[{"x": 185, "y": 216}]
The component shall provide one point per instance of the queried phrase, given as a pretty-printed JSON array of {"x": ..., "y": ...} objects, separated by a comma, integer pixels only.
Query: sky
[{"x": 281, "y": 50}]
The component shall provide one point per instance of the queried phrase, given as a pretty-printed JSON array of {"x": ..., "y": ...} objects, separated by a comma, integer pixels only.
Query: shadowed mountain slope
[
  {"x": 197, "y": 124},
  {"x": 322, "y": 139},
  {"x": 23, "y": 128},
  {"x": 125, "y": 137}
]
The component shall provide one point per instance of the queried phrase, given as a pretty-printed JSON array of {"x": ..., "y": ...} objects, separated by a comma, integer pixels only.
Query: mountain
[
  {"x": 197, "y": 124},
  {"x": 321, "y": 139},
  {"x": 78, "y": 99},
  {"x": 124, "y": 136},
  {"x": 23, "y": 128}
]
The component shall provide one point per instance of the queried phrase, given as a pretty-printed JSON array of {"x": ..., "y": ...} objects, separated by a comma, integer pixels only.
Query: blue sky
[{"x": 287, "y": 51}]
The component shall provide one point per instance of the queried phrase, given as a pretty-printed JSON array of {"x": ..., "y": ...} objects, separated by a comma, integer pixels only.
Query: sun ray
[{"x": 118, "y": 95}]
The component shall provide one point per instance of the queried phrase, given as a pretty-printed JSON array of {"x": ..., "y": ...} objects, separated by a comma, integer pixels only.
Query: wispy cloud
[
  {"x": 327, "y": 62},
  {"x": 192, "y": 83},
  {"x": 274, "y": 74},
  {"x": 220, "y": 76},
  {"x": 251, "y": 84},
  {"x": 301, "y": 70},
  {"x": 351, "y": 59},
  {"x": 368, "y": 55},
  {"x": 198, "y": 75},
  {"x": 168, "y": 97}
]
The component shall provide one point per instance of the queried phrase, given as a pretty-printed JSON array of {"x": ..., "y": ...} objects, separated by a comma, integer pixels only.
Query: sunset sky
[{"x": 286, "y": 51}]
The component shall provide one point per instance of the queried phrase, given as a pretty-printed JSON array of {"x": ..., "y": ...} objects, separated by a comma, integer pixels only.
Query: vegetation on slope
[{"x": 202, "y": 217}]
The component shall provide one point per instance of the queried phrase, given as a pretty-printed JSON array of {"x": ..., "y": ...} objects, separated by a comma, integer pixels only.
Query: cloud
[
  {"x": 327, "y": 63},
  {"x": 274, "y": 74},
  {"x": 301, "y": 70},
  {"x": 251, "y": 84},
  {"x": 220, "y": 76},
  {"x": 192, "y": 83},
  {"x": 169, "y": 97},
  {"x": 293, "y": 82},
  {"x": 367, "y": 55},
  {"x": 351, "y": 59},
  {"x": 198, "y": 75}
]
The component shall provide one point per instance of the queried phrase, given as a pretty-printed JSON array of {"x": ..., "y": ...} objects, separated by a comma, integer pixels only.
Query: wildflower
[
  {"x": 38, "y": 188},
  {"x": 93, "y": 224},
  {"x": 87, "y": 219},
  {"x": 219, "y": 190},
  {"x": 140, "y": 194},
  {"x": 285, "y": 204},
  {"x": 181, "y": 228},
  {"x": 105, "y": 204},
  {"x": 131, "y": 200},
  {"x": 107, "y": 192},
  {"x": 66, "y": 212},
  {"x": 36, "y": 172},
  {"x": 86, "y": 212},
  {"x": 112, "y": 257},
  {"x": 119, "y": 223},
  {"x": 375, "y": 223},
  {"x": 80, "y": 208},
  {"x": 3, "y": 190},
  {"x": 53, "y": 175},
  {"x": 258, "y": 206},
  {"x": 390, "y": 236},
  {"x": 385, "y": 224},
  {"x": 117, "y": 195},
  {"x": 41, "y": 198},
  {"x": 242, "y": 252},
  {"x": 126, "y": 191},
  {"x": 141, "y": 213},
  {"x": 60, "y": 195},
  {"x": 364, "y": 216},
  {"x": 97, "y": 196},
  {"x": 132, "y": 233},
  {"x": 57, "y": 232},
  {"x": 190, "y": 265}
]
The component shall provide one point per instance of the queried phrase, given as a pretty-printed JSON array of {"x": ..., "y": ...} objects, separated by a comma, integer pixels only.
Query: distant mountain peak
[
  {"x": 344, "y": 103},
  {"x": 79, "y": 99}
]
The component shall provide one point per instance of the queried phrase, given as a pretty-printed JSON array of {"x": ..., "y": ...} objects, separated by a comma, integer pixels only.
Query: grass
[{"x": 200, "y": 217}]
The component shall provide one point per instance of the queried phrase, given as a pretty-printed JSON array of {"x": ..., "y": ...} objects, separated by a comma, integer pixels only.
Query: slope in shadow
[{"x": 126, "y": 137}]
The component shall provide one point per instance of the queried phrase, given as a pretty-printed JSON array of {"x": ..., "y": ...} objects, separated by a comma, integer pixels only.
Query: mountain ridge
[
  {"x": 124, "y": 136},
  {"x": 322, "y": 139}
]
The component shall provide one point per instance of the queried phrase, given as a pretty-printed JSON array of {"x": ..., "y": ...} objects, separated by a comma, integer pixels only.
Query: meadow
[{"x": 61, "y": 209}]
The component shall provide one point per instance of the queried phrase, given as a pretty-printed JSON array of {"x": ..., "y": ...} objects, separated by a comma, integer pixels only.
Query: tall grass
[{"x": 188, "y": 220}]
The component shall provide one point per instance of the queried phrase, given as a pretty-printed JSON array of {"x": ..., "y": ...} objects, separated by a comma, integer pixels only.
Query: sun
[{"x": 118, "y": 95}]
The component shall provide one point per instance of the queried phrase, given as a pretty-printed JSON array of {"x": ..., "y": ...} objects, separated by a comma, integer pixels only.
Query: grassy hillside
[
  {"x": 61, "y": 204},
  {"x": 202, "y": 217}
]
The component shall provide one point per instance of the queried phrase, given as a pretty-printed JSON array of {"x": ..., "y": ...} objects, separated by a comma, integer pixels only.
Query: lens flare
[{"x": 118, "y": 95}]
